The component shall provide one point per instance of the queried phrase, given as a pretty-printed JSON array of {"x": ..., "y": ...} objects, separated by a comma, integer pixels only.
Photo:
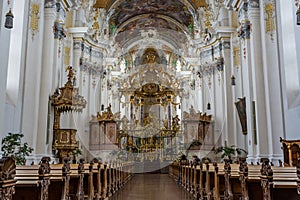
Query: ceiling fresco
[
  {"x": 131, "y": 8},
  {"x": 107, "y": 3},
  {"x": 150, "y": 22},
  {"x": 151, "y": 36}
]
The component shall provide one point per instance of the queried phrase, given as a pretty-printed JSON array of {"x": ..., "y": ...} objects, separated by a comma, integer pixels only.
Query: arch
[{"x": 136, "y": 42}]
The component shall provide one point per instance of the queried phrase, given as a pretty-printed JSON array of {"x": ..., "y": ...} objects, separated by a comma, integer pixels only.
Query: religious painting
[
  {"x": 152, "y": 21},
  {"x": 94, "y": 135},
  {"x": 241, "y": 109},
  {"x": 102, "y": 133},
  {"x": 131, "y": 8},
  {"x": 191, "y": 132},
  {"x": 111, "y": 132}
]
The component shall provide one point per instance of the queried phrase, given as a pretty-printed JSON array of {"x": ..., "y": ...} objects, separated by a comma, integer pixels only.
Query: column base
[
  {"x": 273, "y": 158},
  {"x": 36, "y": 158}
]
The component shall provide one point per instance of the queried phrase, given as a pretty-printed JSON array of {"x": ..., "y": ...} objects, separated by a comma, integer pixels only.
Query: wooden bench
[
  {"x": 65, "y": 181},
  {"x": 239, "y": 181}
]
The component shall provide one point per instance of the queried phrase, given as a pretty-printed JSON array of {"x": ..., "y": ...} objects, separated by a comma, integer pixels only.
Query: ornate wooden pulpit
[{"x": 66, "y": 100}]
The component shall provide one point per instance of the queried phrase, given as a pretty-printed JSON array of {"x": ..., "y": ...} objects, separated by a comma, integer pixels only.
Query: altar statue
[{"x": 175, "y": 122}]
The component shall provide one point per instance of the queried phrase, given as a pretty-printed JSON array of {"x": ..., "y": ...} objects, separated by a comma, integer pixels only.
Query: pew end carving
[{"x": 7, "y": 175}]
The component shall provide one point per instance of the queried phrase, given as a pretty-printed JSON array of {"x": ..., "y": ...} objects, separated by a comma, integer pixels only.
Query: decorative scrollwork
[
  {"x": 266, "y": 169},
  {"x": 44, "y": 188},
  {"x": 243, "y": 178},
  {"x": 266, "y": 178},
  {"x": 7, "y": 193},
  {"x": 7, "y": 168},
  {"x": 44, "y": 166},
  {"x": 80, "y": 192},
  {"x": 227, "y": 169},
  {"x": 7, "y": 175}
]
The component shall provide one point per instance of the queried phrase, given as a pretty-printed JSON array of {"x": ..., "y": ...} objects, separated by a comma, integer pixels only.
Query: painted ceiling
[
  {"x": 107, "y": 3},
  {"x": 149, "y": 22},
  {"x": 132, "y": 8},
  {"x": 135, "y": 24}
]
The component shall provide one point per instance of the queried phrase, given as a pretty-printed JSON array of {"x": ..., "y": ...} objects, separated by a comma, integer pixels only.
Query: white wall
[
  {"x": 13, "y": 106},
  {"x": 5, "y": 35},
  {"x": 289, "y": 64}
]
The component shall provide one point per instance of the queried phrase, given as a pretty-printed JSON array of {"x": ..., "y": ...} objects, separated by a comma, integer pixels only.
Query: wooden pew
[
  {"x": 33, "y": 181},
  {"x": 240, "y": 181},
  {"x": 67, "y": 181},
  {"x": 7, "y": 178}
]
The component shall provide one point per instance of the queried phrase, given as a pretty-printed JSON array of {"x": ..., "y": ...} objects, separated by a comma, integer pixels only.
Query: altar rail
[
  {"x": 83, "y": 181},
  {"x": 237, "y": 181}
]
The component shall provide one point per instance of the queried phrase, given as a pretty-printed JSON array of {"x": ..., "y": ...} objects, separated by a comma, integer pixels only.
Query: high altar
[{"x": 152, "y": 125}]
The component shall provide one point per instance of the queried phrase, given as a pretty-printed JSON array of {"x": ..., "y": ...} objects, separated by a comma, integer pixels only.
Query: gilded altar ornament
[
  {"x": 35, "y": 16},
  {"x": 269, "y": 21},
  {"x": 67, "y": 99},
  {"x": 199, "y": 3}
]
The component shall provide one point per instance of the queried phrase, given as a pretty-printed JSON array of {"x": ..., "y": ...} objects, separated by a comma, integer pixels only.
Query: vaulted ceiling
[
  {"x": 168, "y": 20},
  {"x": 109, "y": 3}
]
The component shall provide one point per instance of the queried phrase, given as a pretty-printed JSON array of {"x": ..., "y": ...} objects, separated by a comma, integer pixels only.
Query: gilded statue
[
  {"x": 175, "y": 122},
  {"x": 147, "y": 120},
  {"x": 166, "y": 123},
  {"x": 150, "y": 58}
]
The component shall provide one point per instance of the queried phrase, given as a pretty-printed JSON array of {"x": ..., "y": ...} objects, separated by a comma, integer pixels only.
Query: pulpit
[{"x": 67, "y": 99}]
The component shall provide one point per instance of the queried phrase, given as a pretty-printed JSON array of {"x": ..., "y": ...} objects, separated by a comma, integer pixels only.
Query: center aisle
[{"x": 152, "y": 187}]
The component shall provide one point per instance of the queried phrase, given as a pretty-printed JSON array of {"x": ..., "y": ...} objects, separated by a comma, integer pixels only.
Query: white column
[
  {"x": 247, "y": 83},
  {"x": 229, "y": 103},
  {"x": 32, "y": 83},
  {"x": 46, "y": 85},
  {"x": 274, "y": 109},
  {"x": 237, "y": 92},
  {"x": 258, "y": 84}
]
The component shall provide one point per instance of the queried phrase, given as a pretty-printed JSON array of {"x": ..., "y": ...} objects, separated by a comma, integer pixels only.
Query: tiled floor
[{"x": 152, "y": 187}]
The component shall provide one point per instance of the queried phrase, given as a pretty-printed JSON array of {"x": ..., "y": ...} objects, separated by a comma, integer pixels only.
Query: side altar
[
  {"x": 198, "y": 129},
  {"x": 104, "y": 131}
]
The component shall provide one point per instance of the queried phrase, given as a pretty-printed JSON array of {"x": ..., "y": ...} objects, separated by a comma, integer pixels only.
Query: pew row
[
  {"x": 66, "y": 181},
  {"x": 237, "y": 181}
]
